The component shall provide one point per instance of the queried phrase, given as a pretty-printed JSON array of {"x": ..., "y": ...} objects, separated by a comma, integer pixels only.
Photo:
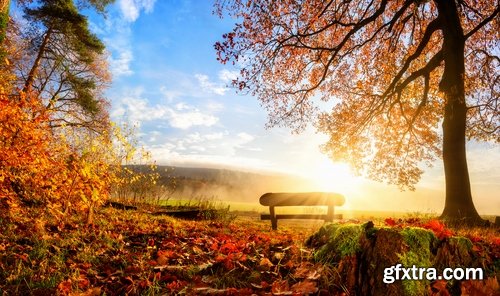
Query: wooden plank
[
  {"x": 300, "y": 216},
  {"x": 302, "y": 199}
]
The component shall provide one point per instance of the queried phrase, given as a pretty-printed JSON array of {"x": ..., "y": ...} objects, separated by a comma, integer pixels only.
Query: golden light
[{"x": 335, "y": 177}]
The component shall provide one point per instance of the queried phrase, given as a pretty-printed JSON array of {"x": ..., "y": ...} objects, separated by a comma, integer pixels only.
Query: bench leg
[
  {"x": 274, "y": 221},
  {"x": 329, "y": 214}
]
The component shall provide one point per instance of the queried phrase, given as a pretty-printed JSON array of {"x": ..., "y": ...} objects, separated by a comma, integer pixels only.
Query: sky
[{"x": 168, "y": 83}]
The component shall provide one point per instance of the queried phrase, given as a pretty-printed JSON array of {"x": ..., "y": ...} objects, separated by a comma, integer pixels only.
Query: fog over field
[{"x": 246, "y": 187}]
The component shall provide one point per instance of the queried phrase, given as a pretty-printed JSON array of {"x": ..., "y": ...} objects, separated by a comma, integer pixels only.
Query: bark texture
[{"x": 458, "y": 203}]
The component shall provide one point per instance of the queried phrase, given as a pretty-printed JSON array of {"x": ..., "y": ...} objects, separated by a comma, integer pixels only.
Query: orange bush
[
  {"x": 26, "y": 155},
  {"x": 41, "y": 168}
]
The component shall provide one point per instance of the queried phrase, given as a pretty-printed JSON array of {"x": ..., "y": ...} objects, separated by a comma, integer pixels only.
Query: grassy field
[
  {"x": 135, "y": 252},
  {"x": 255, "y": 209}
]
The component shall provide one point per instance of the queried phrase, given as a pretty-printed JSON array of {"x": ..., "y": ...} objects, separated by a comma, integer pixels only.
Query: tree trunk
[
  {"x": 38, "y": 59},
  {"x": 459, "y": 206}
]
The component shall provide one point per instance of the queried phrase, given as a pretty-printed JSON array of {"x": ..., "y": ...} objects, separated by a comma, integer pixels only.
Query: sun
[{"x": 328, "y": 176}]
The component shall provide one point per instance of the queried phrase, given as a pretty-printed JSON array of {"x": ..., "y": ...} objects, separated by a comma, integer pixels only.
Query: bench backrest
[{"x": 302, "y": 199}]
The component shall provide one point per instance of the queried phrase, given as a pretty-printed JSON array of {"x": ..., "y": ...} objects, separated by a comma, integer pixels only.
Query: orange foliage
[
  {"x": 381, "y": 65},
  {"x": 26, "y": 155},
  {"x": 40, "y": 168}
]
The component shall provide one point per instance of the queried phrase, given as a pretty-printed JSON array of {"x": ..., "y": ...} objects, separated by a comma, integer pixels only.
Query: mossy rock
[
  {"x": 454, "y": 252},
  {"x": 360, "y": 254},
  {"x": 343, "y": 241}
]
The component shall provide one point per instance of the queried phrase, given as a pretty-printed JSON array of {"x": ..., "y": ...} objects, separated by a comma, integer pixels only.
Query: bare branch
[{"x": 484, "y": 22}]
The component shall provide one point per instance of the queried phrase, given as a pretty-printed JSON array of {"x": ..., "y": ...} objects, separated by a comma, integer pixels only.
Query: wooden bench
[{"x": 273, "y": 200}]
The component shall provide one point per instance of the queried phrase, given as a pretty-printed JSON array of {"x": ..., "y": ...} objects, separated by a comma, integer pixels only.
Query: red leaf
[
  {"x": 305, "y": 287},
  {"x": 280, "y": 287},
  {"x": 438, "y": 288},
  {"x": 64, "y": 287},
  {"x": 83, "y": 282},
  {"x": 390, "y": 222},
  {"x": 487, "y": 287},
  {"x": 228, "y": 248},
  {"x": 434, "y": 225}
]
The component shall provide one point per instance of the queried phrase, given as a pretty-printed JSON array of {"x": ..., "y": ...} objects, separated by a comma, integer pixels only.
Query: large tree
[
  {"x": 59, "y": 59},
  {"x": 393, "y": 72}
]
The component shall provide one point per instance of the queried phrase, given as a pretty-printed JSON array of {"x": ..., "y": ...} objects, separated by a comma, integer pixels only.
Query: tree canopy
[
  {"x": 58, "y": 57},
  {"x": 393, "y": 71}
]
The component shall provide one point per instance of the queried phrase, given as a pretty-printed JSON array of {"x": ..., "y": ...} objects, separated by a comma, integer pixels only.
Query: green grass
[{"x": 123, "y": 247}]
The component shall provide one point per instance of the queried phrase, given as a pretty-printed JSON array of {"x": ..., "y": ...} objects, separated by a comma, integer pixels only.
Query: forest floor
[{"x": 136, "y": 253}]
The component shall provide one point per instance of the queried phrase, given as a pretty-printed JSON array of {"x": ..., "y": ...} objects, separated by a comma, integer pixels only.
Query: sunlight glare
[{"x": 333, "y": 177}]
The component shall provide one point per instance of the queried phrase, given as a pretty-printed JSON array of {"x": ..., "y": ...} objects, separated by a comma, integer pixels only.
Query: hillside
[{"x": 224, "y": 184}]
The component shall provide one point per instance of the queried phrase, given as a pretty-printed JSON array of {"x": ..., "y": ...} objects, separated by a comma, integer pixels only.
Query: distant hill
[{"x": 224, "y": 184}]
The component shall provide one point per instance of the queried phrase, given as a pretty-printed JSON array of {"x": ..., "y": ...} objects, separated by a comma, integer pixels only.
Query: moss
[
  {"x": 463, "y": 244},
  {"x": 343, "y": 241},
  {"x": 456, "y": 252},
  {"x": 419, "y": 242}
]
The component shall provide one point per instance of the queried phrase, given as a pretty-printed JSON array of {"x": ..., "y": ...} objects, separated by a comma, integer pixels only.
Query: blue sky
[{"x": 166, "y": 80}]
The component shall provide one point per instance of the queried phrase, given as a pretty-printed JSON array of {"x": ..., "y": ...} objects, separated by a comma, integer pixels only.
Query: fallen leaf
[
  {"x": 197, "y": 250},
  {"x": 281, "y": 287},
  {"x": 83, "y": 282},
  {"x": 390, "y": 222},
  {"x": 64, "y": 287},
  {"x": 264, "y": 262},
  {"x": 305, "y": 287},
  {"x": 90, "y": 292},
  {"x": 487, "y": 287},
  {"x": 438, "y": 288}
]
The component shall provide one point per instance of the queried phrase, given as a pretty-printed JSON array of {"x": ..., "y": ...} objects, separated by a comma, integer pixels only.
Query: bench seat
[{"x": 273, "y": 200}]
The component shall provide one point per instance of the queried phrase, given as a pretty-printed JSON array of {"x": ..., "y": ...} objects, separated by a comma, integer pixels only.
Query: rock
[{"x": 360, "y": 254}]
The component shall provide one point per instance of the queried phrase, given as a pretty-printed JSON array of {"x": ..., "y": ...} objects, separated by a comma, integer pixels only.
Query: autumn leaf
[
  {"x": 438, "y": 288},
  {"x": 83, "y": 282},
  {"x": 486, "y": 287},
  {"x": 281, "y": 287},
  {"x": 305, "y": 287},
  {"x": 438, "y": 228},
  {"x": 266, "y": 263},
  {"x": 64, "y": 287},
  {"x": 390, "y": 222},
  {"x": 308, "y": 271},
  {"x": 96, "y": 291}
]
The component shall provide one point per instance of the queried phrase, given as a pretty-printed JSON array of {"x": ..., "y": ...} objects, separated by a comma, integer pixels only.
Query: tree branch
[{"x": 484, "y": 22}]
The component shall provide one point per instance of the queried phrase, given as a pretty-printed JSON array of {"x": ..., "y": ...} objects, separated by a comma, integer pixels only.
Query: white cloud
[
  {"x": 153, "y": 136},
  {"x": 117, "y": 35},
  {"x": 185, "y": 120},
  {"x": 215, "y": 106},
  {"x": 181, "y": 106},
  {"x": 120, "y": 66},
  {"x": 215, "y": 136},
  {"x": 209, "y": 86},
  {"x": 245, "y": 138},
  {"x": 227, "y": 76},
  {"x": 182, "y": 116},
  {"x": 201, "y": 156},
  {"x": 177, "y": 85},
  {"x": 131, "y": 9}
]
